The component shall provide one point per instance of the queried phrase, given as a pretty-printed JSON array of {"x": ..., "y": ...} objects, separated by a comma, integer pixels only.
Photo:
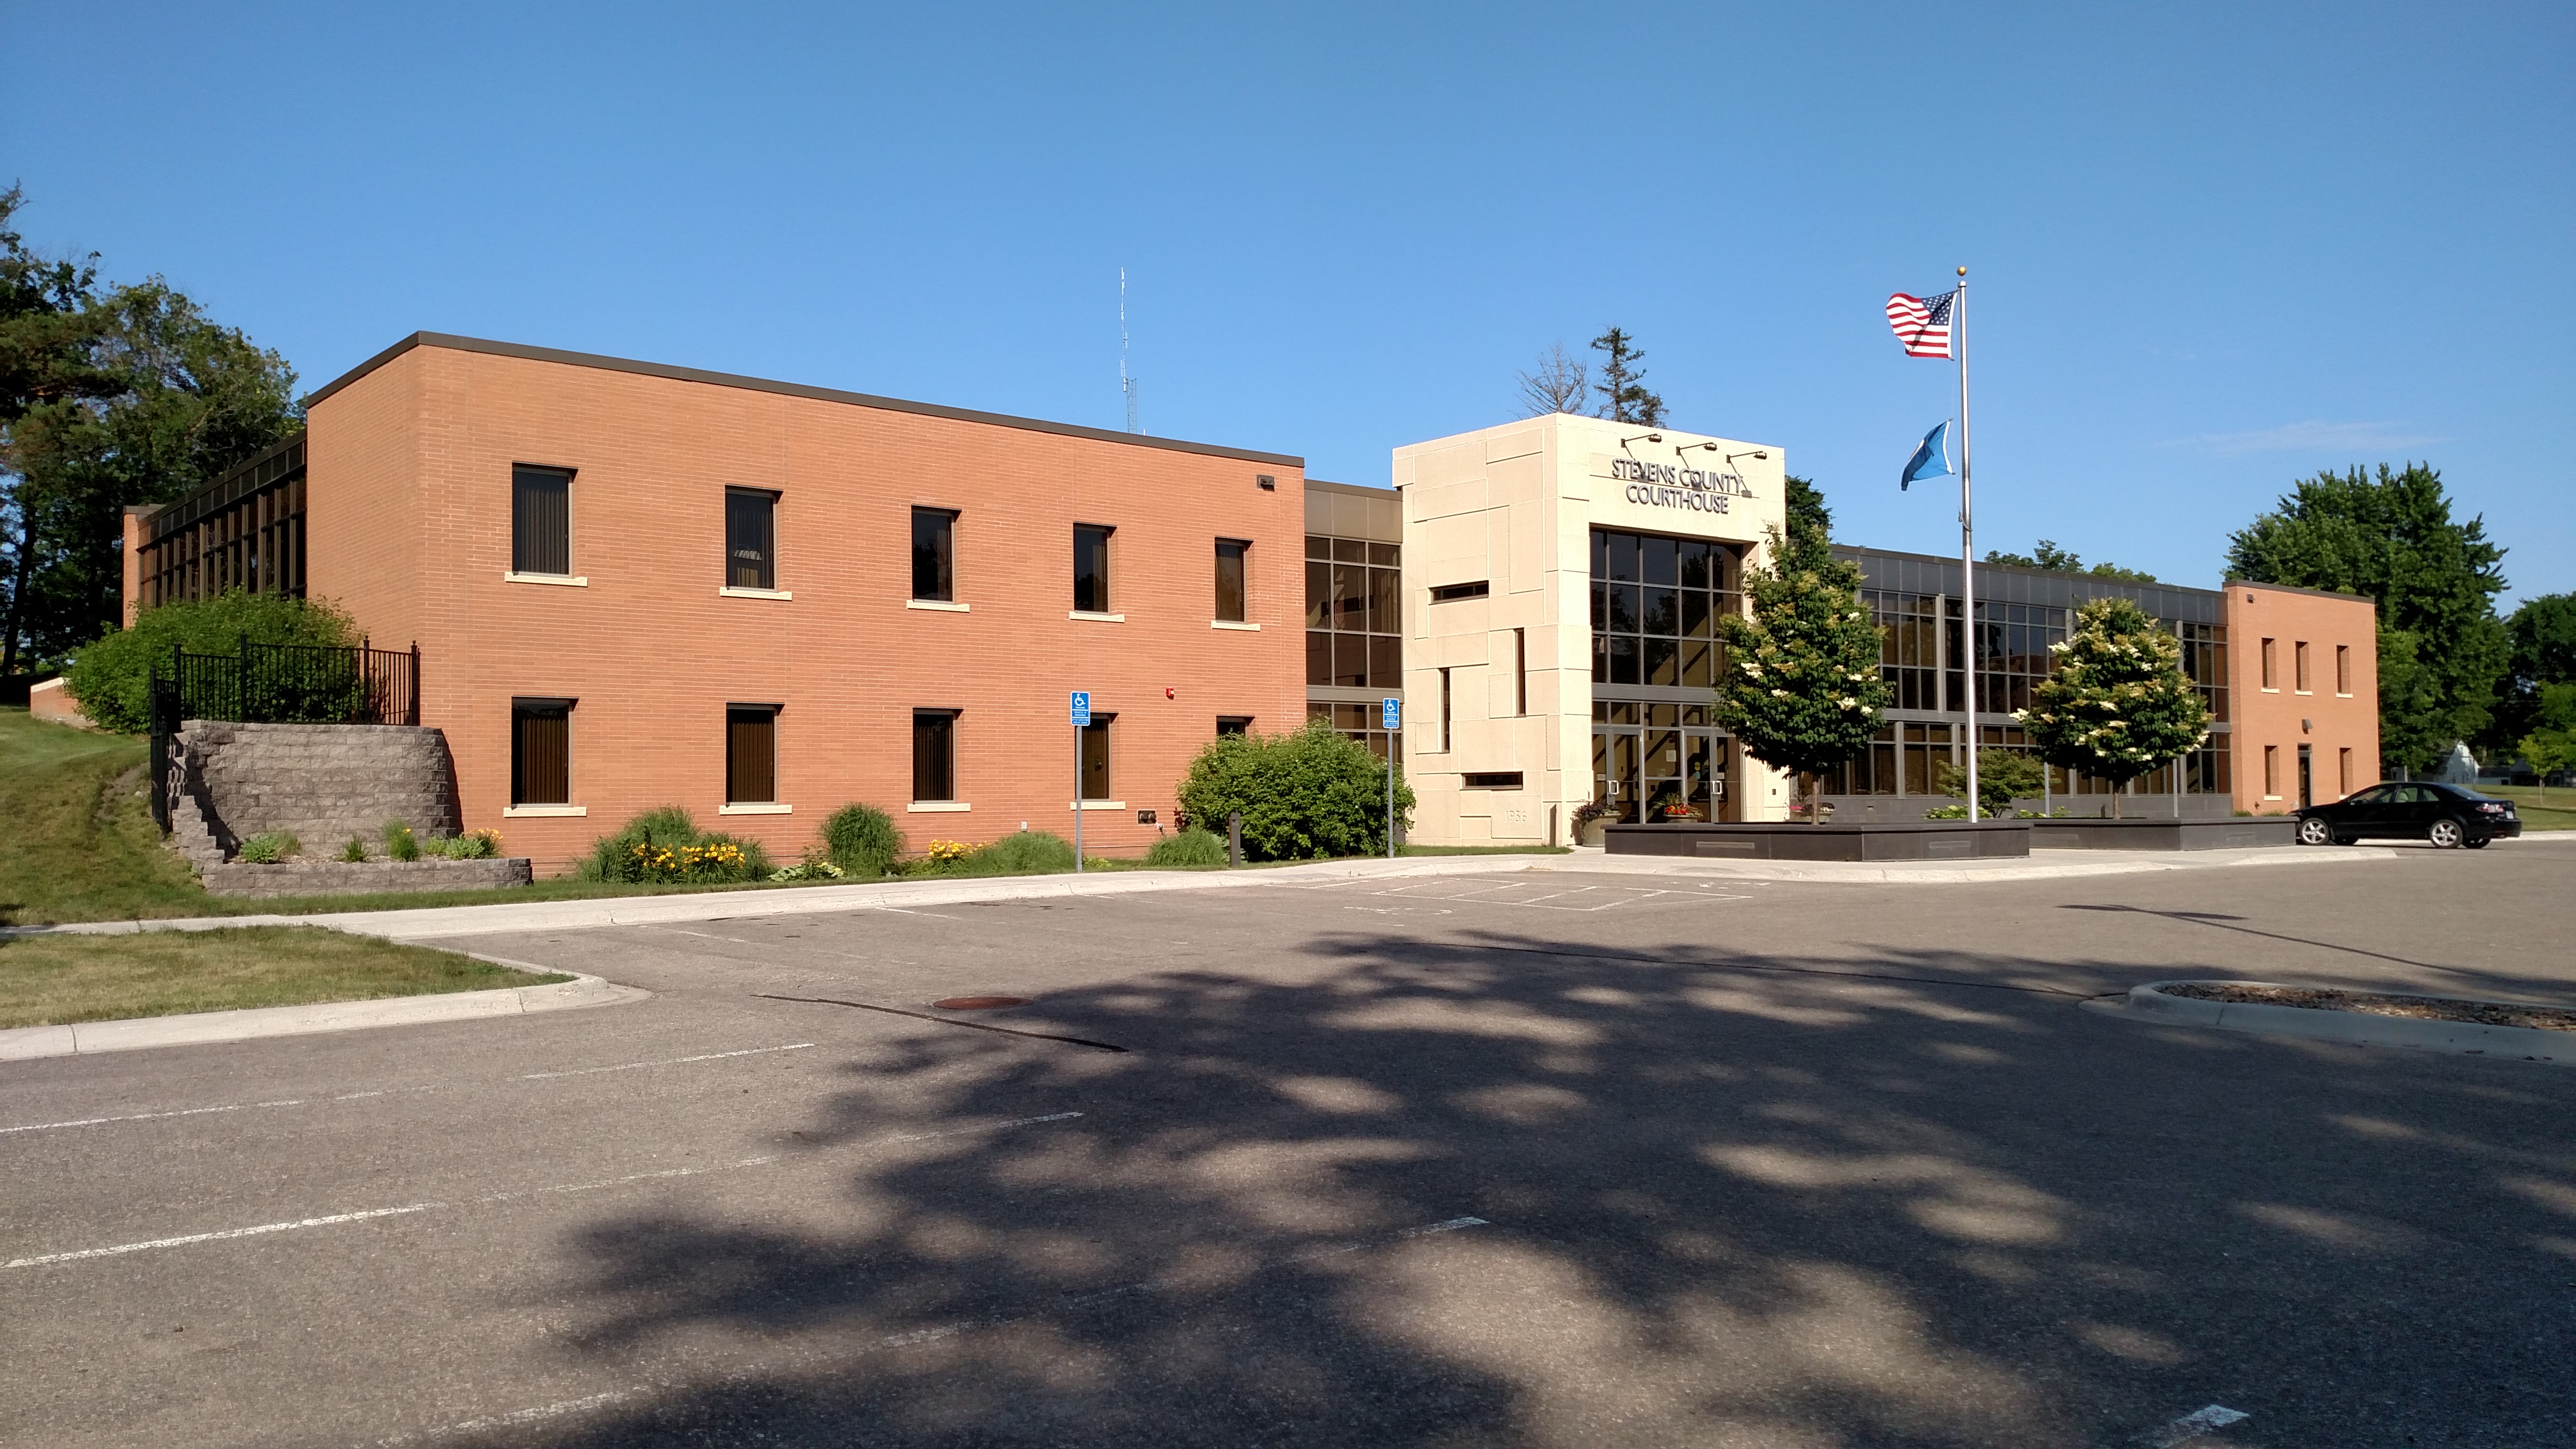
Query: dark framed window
[
  {"x": 1091, "y": 568},
  {"x": 751, "y": 539},
  {"x": 1490, "y": 780},
  {"x": 1229, "y": 579},
  {"x": 1354, "y": 626},
  {"x": 541, "y": 751},
  {"x": 1444, "y": 711},
  {"x": 1234, "y": 724},
  {"x": 540, "y": 520},
  {"x": 934, "y": 555},
  {"x": 1095, "y": 757},
  {"x": 1452, "y": 593},
  {"x": 1655, "y": 606},
  {"x": 751, "y": 754},
  {"x": 934, "y": 755},
  {"x": 1361, "y": 723}
]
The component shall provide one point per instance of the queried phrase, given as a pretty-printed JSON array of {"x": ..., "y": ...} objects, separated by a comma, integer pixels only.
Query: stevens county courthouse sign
[{"x": 1674, "y": 485}]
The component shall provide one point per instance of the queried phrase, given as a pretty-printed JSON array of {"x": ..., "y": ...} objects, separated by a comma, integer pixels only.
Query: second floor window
[
  {"x": 751, "y": 539},
  {"x": 540, "y": 521},
  {"x": 1090, "y": 569},
  {"x": 934, "y": 555},
  {"x": 1229, "y": 579}
]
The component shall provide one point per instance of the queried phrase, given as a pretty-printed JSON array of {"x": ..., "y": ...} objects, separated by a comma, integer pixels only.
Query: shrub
[
  {"x": 1027, "y": 852},
  {"x": 269, "y": 847},
  {"x": 355, "y": 851},
  {"x": 1189, "y": 849},
  {"x": 813, "y": 867},
  {"x": 862, "y": 840},
  {"x": 1307, "y": 795},
  {"x": 947, "y": 852},
  {"x": 112, "y": 677},
  {"x": 400, "y": 843},
  {"x": 472, "y": 845},
  {"x": 665, "y": 845}
]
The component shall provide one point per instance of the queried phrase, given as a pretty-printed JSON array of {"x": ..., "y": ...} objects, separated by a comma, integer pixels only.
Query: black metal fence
[{"x": 278, "y": 684}]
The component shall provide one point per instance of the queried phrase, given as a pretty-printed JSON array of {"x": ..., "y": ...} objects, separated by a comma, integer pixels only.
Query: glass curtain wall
[
  {"x": 1655, "y": 659},
  {"x": 1354, "y": 621}
]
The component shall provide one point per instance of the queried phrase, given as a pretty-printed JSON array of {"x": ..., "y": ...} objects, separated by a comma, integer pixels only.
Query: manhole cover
[{"x": 980, "y": 1003}]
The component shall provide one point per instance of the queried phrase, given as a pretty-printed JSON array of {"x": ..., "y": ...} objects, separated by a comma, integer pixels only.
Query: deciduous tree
[
  {"x": 2117, "y": 704},
  {"x": 1558, "y": 384},
  {"x": 1801, "y": 686},
  {"x": 2047, "y": 555}
]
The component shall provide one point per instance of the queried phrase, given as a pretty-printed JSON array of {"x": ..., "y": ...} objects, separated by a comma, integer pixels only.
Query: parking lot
[{"x": 1524, "y": 1157}]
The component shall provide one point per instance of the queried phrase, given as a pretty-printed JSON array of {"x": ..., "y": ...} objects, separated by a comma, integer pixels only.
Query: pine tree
[
  {"x": 1624, "y": 398},
  {"x": 1801, "y": 686},
  {"x": 2118, "y": 704}
]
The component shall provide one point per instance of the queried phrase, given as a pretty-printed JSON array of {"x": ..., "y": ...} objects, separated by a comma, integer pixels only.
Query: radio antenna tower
[{"x": 1126, "y": 384}]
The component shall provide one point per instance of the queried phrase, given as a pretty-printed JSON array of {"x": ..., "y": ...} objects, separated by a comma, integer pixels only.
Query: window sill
[
  {"x": 512, "y": 812},
  {"x": 926, "y": 807},
  {"x": 569, "y": 581},
  {"x": 756, "y": 807},
  {"x": 733, "y": 593},
  {"x": 2271, "y": 689},
  {"x": 1098, "y": 618},
  {"x": 1234, "y": 624},
  {"x": 1101, "y": 805},
  {"x": 940, "y": 605}
]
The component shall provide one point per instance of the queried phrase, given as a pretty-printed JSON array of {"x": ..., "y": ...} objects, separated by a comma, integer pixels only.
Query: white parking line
[
  {"x": 2191, "y": 1426},
  {"x": 671, "y": 1062},
  {"x": 385, "y": 1091},
  {"x": 334, "y": 1219}
]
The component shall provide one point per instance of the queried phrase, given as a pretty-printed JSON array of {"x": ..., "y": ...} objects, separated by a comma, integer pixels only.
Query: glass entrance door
[{"x": 1657, "y": 762}]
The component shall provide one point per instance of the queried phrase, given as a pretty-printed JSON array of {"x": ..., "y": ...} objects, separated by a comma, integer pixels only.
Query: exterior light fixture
[{"x": 1756, "y": 453}]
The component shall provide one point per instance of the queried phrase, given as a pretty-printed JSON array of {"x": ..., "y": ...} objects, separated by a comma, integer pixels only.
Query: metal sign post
[
  {"x": 1391, "y": 716},
  {"x": 1081, "y": 722}
]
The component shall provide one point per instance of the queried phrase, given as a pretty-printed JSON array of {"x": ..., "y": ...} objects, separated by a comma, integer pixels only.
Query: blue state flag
[{"x": 1931, "y": 460}]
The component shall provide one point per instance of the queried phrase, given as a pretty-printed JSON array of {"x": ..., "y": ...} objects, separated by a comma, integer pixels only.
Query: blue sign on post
[
  {"x": 1082, "y": 709},
  {"x": 1392, "y": 710}
]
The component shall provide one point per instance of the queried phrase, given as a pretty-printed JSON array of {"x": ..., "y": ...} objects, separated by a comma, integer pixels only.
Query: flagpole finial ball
[{"x": 1963, "y": 271}]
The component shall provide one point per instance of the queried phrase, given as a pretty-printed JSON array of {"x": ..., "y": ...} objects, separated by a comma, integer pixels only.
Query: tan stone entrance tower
[{"x": 1561, "y": 578}]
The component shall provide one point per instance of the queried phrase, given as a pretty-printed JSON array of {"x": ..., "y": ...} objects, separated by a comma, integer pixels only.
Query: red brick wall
[
  {"x": 2284, "y": 718},
  {"x": 410, "y": 528}
]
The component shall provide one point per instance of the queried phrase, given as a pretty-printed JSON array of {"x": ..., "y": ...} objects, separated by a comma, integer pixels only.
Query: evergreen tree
[
  {"x": 2117, "y": 703},
  {"x": 1801, "y": 687},
  {"x": 2392, "y": 538},
  {"x": 1624, "y": 397}
]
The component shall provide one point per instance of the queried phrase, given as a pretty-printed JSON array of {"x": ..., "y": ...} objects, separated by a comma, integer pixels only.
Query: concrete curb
[
  {"x": 2087, "y": 863},
  {"x": 2150, "y": 1005},
  {"x": 87, "y": 1038},
  {"x": 435, "y": 922}
]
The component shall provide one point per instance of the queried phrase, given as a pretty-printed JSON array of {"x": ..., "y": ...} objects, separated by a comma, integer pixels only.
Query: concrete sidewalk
[
  {"x": 435, "y": 922},
  {"x": 196, "y": 1028}
]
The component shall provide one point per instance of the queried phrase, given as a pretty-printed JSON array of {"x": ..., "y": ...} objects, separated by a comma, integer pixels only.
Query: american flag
[{"x": 1923, "y": 325}]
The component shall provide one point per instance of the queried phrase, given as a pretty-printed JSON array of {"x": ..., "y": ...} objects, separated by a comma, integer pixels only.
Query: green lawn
[{"x": 48, "y": 980}]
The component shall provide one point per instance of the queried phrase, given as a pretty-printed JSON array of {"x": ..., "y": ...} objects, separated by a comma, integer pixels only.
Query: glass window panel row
[
  {"x": 1904, "y": 758},
  {"x": 1354, "y": 613},
  {"x": 1358, "y": 722},
  {"x": 1655, "y": 606}
]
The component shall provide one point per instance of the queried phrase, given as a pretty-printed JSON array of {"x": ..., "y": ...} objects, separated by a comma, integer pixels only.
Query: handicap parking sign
[
  {"x": 1393, "y": 710},
  {"x": 1082, "y": 709}
]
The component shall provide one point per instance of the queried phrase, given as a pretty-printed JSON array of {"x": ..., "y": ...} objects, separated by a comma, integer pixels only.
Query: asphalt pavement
[{"x": 1530, "y": 1158}]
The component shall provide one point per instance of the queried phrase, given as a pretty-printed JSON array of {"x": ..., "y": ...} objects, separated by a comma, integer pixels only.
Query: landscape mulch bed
[{"x": 2427, "y": 1008}]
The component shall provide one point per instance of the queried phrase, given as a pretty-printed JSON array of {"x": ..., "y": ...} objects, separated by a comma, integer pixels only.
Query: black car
[{"x": 2446, "y": 815}]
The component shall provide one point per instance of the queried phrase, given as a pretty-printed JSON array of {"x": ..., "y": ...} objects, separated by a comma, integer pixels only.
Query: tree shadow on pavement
[{"x": 1920, "y": 1200}]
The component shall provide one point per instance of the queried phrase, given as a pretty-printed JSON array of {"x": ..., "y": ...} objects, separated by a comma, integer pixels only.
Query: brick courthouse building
[{"x": 635, "y": 585}]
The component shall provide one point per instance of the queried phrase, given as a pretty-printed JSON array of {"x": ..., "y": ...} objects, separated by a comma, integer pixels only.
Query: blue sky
[{"x": 2213, "y": 248}]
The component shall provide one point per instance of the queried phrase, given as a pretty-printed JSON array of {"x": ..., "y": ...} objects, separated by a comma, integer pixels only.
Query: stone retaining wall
[
  {"x": 326, "y": 783},
  {"x": 335, "y": 877}
]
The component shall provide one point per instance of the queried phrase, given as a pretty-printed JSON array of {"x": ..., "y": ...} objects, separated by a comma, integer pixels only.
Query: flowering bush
[
  {"x": 946, "y": 852},
  {"x": 665, "y": 846},
  {"x": 472, "y": 845}
]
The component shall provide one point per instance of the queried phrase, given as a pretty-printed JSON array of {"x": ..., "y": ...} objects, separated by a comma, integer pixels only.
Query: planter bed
[
  {"x": 1894, "y": 840},
  {"x": 374, "y": 877},
  {"x": 2215, "y": 833},
  {"x": 2420, "y": 1008}
]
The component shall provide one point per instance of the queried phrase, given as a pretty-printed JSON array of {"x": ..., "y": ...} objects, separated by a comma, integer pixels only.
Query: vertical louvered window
[
  {"x": 934, "y": 755},
  {"x": 1229, "y": 579},
  {"x": 540, "y": 521},
  {"x": 541, "y": 752},
  {"x": 751, "y": 539},
  {"x": 751, "y": 754}
]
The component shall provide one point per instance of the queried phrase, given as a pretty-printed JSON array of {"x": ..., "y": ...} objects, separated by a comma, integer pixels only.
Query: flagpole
[{"x": 1967, "y": 541}]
